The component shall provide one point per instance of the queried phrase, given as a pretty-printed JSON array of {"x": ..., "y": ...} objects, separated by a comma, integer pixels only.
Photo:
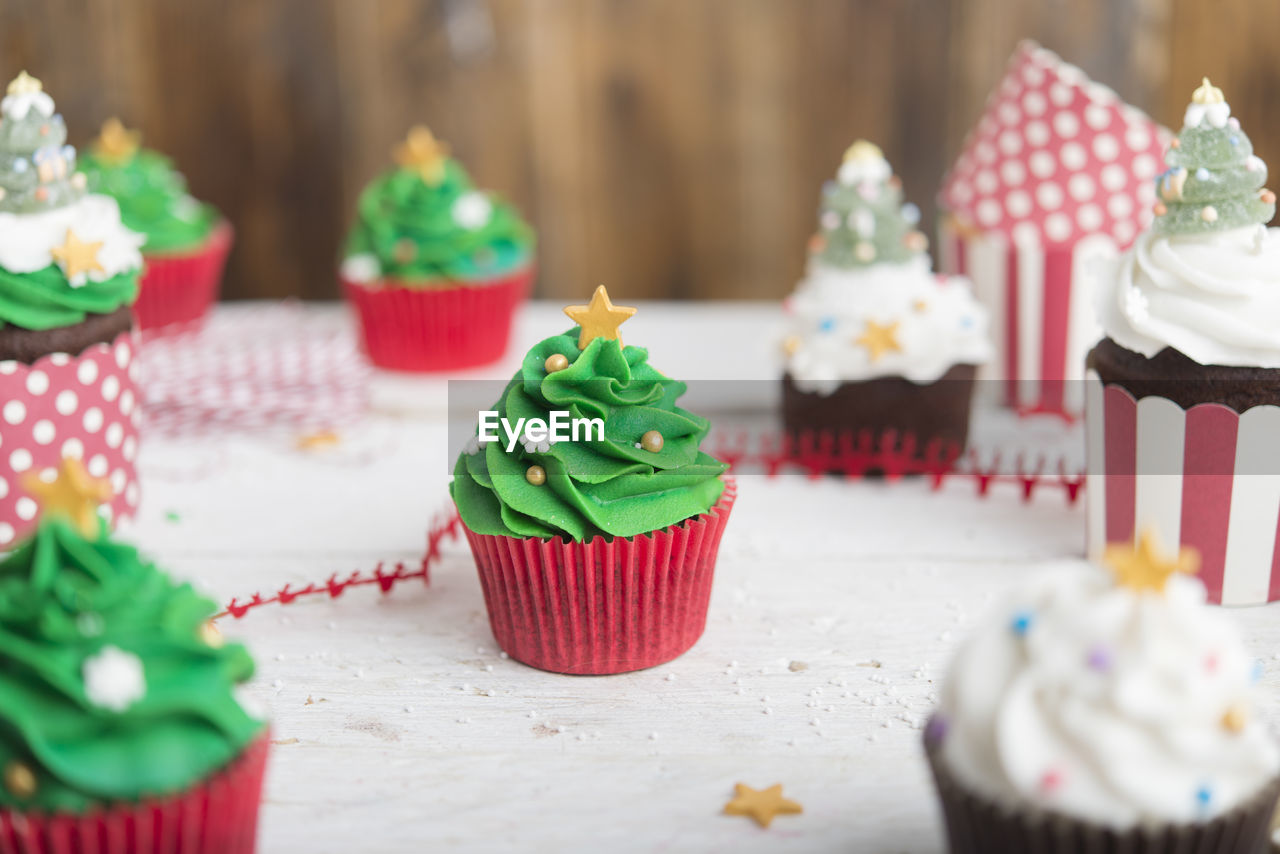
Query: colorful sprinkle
[
  {"x": 1099, "y": 659},
  {"x": 1202, "y": 174},
  {"x": 1051, "y": 780},
  {"x": 936, "y": 730},
  {"x": 1255, "y": 674},
  {"x": 1204, "y": 796},
  {"x": 1211, "y": 662},
  {"x": 910, "y": 213},
  {"x": 827, "y": 324},
  {"x": 1022, "y": 623},
  {"x": 1234, "y": 140},
  {"x": 1209, "y": 213}
]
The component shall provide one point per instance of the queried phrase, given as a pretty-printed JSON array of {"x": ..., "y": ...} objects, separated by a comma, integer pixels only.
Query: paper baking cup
[
  {"x": 177, "y": 288},
  {"x": 1041, "y": 308},
  {"x": 437, "y": 328},
  {"x": 84, "y": 406},
  {"x": 1206, "y": 477},
  {"x": 977, "y": 825},
  {"x": 602, "y": 606},
  {"x": 219, "y": 816}
]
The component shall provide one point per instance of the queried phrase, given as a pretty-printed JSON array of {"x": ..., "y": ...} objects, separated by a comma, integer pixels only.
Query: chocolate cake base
[
  {"x": 29, "y": 345},
  {"x": 1172, "y": 375},
  {"x": 937, "y": 410}
]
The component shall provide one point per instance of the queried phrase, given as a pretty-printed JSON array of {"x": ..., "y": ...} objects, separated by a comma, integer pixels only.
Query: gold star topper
[
  {"x": 862, "y": 150},
  {"x": 115, "y": 142},
  {"x": 599, "y": 318},
  {"x": 72, "y": 494},
  {"x": 1141, "y": 568},
  {"x": 761, "y": 804},
  {"x": 1207, "y": 93},
  {"x": 879, "y": 339},
  {"x": 421, "y": 152},
  {"x": 77, "y": 257},
  {"x": 24, "y": 84}
]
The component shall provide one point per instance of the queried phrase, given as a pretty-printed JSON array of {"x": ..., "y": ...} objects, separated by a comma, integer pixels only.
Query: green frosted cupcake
[{"x": 119, "y": 696}]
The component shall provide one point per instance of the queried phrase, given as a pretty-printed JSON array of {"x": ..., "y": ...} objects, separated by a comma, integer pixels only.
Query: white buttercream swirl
[
  {"x": 1213, "y": 297},
  {"x": 1091, "y": 700},
  {"x": 939, "y": 324},
  {"x": 27, "y": 240}
]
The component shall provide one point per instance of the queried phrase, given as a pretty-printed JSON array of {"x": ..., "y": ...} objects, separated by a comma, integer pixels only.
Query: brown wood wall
[{"x": 668, "y": 148}]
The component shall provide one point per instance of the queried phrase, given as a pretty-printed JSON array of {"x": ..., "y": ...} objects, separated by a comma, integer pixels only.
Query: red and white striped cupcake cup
[
  {"x": 602, "y": 606},
  {"x": 84, "y": 406},
  {"x": 1207, "y": 477}
]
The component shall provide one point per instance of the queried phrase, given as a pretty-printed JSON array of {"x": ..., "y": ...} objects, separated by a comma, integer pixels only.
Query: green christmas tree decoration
[
  {"x": 37, "y": 167},
  {"x": 863, "y": 220},
  {"x": 1214, "y": 182}
]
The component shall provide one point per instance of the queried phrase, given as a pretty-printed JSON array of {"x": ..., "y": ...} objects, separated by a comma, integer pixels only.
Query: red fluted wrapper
[
  {"x": 86, "y": 406},
  {"x": 177, "y": 288},
  {"x": 601, "y": 606},
  {"x": 219, "y": 816},
  {"x": 437, "y": 328}
]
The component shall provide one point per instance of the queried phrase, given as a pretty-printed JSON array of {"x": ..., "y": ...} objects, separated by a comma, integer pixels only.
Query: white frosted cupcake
[
  {"x": 1104, "y": 711},
  {"x": 876, "y": 340}
]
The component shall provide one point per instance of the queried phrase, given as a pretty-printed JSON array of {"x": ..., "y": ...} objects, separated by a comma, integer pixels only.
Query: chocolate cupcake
[
  {"x": 68, "y": 273},
  {"x": 1098, "y": 712},
  {"x": 1191, "y": 364},
  {"x": 877, "y": 341}
]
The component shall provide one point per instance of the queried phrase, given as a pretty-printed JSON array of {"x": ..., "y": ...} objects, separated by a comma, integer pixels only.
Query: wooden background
[{"x": 668, "y": 148}]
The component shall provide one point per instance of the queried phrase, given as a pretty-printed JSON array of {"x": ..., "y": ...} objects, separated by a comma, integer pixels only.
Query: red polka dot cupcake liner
[
  {"x": 602, "y": 606},
  {"x": 85, "y": 406},
  {"x": 177, "y": 288},
  {"x": 424, "y": 329},
  {"x": 219, "y": 816}
]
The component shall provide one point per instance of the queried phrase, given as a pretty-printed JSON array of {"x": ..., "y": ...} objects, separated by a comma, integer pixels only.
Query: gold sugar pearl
[
  {"x": 405, "y": 250},
  {"x": 652, "y": 441},
  {"x": 556, "y": 362},
  {"x": 1267, "y": 197},
  {"x": 19, "y": 779},
  {"x": 209, "y": 634},
  {"x": 536, "y": 475},
  {"x": 1159, "y": 209},
  {"x": 1209, "y": 213}
]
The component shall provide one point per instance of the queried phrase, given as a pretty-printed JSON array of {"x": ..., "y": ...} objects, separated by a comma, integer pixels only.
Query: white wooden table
[{"x": 400, "y": 727}]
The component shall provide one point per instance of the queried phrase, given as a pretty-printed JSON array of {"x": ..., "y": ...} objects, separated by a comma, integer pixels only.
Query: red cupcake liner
[
  {"x": 601, "y": 606},
  {"x": 176, "y": 289},
  {"x": 437, "y": 328},
  {"x": 219, "y": 816},
  {"x": 86, "y": 406}
]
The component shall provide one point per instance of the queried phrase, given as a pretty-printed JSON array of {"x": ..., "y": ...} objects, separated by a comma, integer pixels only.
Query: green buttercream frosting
[
  {"x": 153, "y": 199},
  {"x": 593, "y": 487},
  {"x": 44, "y": 300},
  {"x": 421, "y": 233},
  {"x": 1214, "y": 182},
  {"x": 70, "y": 608}
]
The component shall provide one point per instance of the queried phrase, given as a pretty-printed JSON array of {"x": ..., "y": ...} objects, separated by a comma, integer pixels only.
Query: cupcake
[
  {"x": 1105, "y": 712},
  {"x": 187, "y": 241},
  {"x": 877, "y": 341},
  {"x": 68, "y": 273},
  {"x": 121, "y": 728},
  {"x": 1054, "y": 178},
  {"x": 596, "y": 542},
  {"x": 1182, "y": 415},
  {"x": 428, "y": 255}
]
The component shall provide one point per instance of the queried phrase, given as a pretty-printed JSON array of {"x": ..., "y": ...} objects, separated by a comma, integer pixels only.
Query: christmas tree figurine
[
  {"x": 1214, "y": 181},
  {"x": 37, "y": 167},
  {"x": 863, "y": 219}
]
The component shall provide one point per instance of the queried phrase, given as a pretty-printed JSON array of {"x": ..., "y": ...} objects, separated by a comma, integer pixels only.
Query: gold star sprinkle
[
  {"x": 318, "y": 441},
  {"x": 24, "y": 84},
  {"x": 762, "y": 805},
  {"x": 1207, "y": 93},
  {"x": 879, "y": 339},
  {"x": 599, "y": 318},
  {"x": 72, "y": 494},
  {"x": 790, "y": 345},
  {"x": 77, "y": 257},
  {"x": 1141, "y": 568},
  {"x": 115, "y": 143},
  {"x": 862, "y": 151},
  {"x": 421, "y": 152},
  {"x": 920, "y": 306}
]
